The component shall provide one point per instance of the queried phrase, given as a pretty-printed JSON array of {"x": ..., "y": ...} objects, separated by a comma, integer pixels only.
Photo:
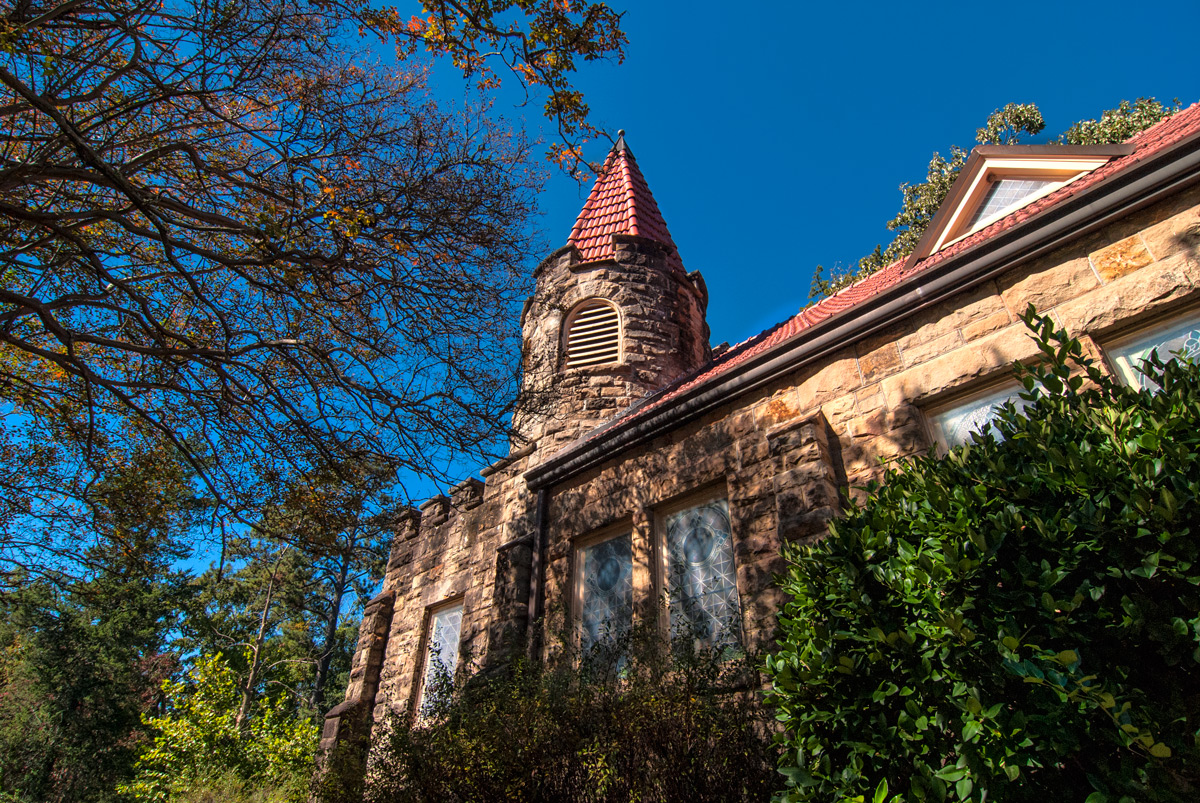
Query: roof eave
[{"x": 1132, "y": 188}]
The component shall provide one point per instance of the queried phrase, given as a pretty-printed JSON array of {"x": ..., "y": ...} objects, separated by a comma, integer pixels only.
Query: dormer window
[
  {"x": 999, "y": 179},
  {"x": 1005, "y": 194},
  {"x": 592, "y": 335}
]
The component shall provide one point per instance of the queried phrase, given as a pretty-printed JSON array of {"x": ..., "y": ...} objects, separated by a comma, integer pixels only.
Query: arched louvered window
[{"x": 593, "y": 335}]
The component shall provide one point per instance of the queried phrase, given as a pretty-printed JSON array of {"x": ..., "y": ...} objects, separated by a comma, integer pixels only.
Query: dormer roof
[
  {"x": 1000, "y": 179},
  {"x": 620, "y": 203}
]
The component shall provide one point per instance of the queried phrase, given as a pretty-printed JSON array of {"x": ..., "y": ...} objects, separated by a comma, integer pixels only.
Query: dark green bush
[
  {"x": 1017, "y": 621},
  {"x": 648, "y": 728}
]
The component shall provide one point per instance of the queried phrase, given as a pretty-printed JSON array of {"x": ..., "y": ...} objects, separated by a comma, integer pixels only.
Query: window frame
[
  {"x": 977, "y": 394},
  {"x": 661, "y": 557},
  {"x": 1057, "y": 170},
  {"x": 421, "y": 677},
  {"x": 1109, "y": 346},
  {"x": 578, "y": 545}
]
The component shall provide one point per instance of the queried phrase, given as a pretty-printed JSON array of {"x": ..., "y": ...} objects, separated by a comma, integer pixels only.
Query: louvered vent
[{"x": 594, "y": 336}]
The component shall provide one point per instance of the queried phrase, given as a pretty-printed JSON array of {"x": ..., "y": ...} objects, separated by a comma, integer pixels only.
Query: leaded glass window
[
  {"x": 954, "y": 425},
  {"x": 1005, "y": 194},
  {"x": 1182, "y": 337},
  {"x": 701, "y": 581},
  {"x": 606, "y": 591},
  {"x": 441, "y": 658}
]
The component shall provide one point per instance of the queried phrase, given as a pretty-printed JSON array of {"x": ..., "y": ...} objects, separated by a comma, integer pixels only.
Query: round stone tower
[{"x": 614, "y": 318}]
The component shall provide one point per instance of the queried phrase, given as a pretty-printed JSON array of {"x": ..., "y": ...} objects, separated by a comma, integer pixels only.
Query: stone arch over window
[{"x": 592, "y": 334}]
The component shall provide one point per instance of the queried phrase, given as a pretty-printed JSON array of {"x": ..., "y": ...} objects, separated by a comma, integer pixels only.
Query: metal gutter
[{"x": 1133, "y": 188}]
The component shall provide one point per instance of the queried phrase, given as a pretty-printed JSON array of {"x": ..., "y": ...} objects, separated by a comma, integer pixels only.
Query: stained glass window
[
  {"x": 701, "y": 582},
  {"x": 606, "y": 584},
  {"x": 1178, "y": 337},
  {"x": 445, "y": 628},
  {"x": 1005, "y": 194},
  {"x": 953, "y": 426}
]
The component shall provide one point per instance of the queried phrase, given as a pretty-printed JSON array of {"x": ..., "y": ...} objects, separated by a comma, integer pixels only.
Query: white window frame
[
  {"x": 1056, "y": 170},
  {"x": 431, "y": 613},
  {"x": 1119, "y": 351}
]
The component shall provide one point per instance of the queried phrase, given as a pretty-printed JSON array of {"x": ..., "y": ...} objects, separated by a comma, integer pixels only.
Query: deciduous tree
[{"x": 232, "y": 227}]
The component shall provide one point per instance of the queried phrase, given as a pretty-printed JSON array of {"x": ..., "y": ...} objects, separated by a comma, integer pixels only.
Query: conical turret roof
[{"x": 620, "y": 203}]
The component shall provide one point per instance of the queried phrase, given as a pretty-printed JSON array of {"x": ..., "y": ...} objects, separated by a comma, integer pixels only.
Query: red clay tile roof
[
  {"x": 620, "y": 203},
  {"x": 1158, "y": 137}
]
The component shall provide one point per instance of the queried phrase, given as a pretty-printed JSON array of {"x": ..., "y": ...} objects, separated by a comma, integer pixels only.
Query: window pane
[
  {"x": 606, "y": 576},
  {"x": 1182, "y": 336},
  {"x": 445, "y": 626},
  {"x": 953, "y": 427},
  {"x": 701, "y": 582},
  {"x": 1005, "y": 194}
]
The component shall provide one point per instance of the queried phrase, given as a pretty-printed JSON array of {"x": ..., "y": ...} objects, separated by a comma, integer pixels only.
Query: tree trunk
[
  {"x": 331, "y": 623},
  {"x": 243, "y": 715}
]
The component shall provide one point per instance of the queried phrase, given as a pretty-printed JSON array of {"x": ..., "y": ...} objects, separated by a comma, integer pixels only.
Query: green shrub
[
  {"x": 1017, "y": 621},
  {"x": 646, "y": 727},
  {"x": 199, "y": 753},
  {"x": 230, "y": 787}
]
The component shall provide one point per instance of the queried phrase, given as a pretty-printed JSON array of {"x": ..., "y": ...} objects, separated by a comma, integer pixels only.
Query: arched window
[{"x": 593, "y": 335}]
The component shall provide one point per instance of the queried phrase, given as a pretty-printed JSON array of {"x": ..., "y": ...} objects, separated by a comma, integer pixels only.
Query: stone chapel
[{"x": 660, "y": 482}]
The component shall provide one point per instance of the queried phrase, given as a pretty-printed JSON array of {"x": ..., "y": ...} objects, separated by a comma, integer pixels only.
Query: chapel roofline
[{"x": 1157, "y": 162}]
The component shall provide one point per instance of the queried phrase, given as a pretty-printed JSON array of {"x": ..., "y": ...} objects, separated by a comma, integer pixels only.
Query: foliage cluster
[
  {"x": 647, "y": 727},
  {"x": 199, "y": 745},
  {"x": 81, "y": 658},
  {"x": 243, "y": 231},
  {"x": 1119, "y": 124},
  {"x": 1017, "y": 621},
  {"x": 1004, "y": 126}
]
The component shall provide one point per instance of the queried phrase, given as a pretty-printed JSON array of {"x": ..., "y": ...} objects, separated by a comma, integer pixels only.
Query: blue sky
[{"x": 775, "y": 135}]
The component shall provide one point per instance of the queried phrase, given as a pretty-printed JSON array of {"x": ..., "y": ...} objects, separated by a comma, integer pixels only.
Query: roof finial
[{"x": 620, "y": 144}]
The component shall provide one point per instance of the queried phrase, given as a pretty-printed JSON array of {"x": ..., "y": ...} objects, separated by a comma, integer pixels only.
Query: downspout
[{"x": 537, "y": 572}]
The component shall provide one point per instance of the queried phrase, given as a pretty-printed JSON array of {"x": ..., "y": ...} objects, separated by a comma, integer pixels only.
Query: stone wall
[
  {"x": 781, "y": 454},
  {"x": 663, "y": 331},
  {"x": 472, "y": 546}
]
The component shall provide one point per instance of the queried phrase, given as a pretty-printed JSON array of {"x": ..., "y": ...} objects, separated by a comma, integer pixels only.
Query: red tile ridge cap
[{"x": 631, "y": 210}]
